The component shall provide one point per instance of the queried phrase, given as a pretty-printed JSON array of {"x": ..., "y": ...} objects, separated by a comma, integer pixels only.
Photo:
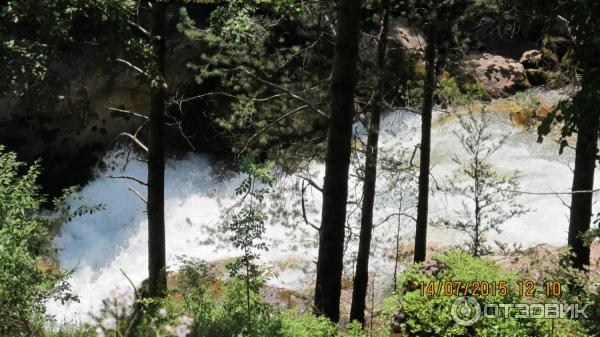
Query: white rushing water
[{"x": 102, "y": 244}]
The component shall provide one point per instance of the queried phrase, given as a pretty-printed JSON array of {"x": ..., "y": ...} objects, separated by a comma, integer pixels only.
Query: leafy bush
[
  {"x": 120, "y": 317},
  {"x": 426, "y": 315},
  {"x": 29, "y": 277},
  {"x": 306, "y": 326},
  {"x": 577, "y": 286},
  {"x": 453, "y": 92},
  {"x": 219, "y": 309},
  {"x": 26, "y": 279}
]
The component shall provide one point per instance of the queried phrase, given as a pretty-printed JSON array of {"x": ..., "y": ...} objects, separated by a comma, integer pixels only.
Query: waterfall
[{"x": 102, "y": 244}]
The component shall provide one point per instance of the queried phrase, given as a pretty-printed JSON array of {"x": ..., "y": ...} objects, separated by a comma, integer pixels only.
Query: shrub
[
  {"x": 26, "y": 281},
  {"x": 219, "y": 309},
  {"x": 426, "y": 315},
  {"x": 453, "y": 93},
  {"x": 306, "y": 325}
]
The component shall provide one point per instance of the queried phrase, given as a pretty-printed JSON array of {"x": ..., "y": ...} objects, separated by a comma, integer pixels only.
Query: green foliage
[
  {"x": 218, "y": 309},
  {"x": 527, "y": 100},
  {"x": 584, "y": 26},
  {"x": 576, "y": 286},
  {"x": 427, "y": 315},
  {"x": 120, "y": 317},
  {"x": 440, "y": 20},
  {"x": 567, "y": 113},
  {"x": 307, "y": 325},
  {"x": 249, "y": 44},
  {"x": 505, "y": 19},
  {"x": 489, "y": 199},
  {"x": 585, "y": 29},
  {"x": 452, "y": 93},
  {"x": 38, "y": 35},
  {"x": 70, "y": 330},
  {"x": 244, "y": 227},
  {"x": 412, "y": 94},
  {"x": 27, "y": 280},
  {"x": 245, "y": 224}
]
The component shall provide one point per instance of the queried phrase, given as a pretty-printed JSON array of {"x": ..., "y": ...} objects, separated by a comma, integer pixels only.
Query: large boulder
[
  {"x": 500, "y": 75},
  {"x": 407, "y": 37},
  {"x": 531, "y": 59}
]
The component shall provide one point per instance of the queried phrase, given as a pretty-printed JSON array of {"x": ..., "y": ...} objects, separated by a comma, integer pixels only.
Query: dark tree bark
[
  {"x": 339, "y": 139},
  {"x": 583, "y": 174},
  {"x": 361, "y": 275},
  {"x": 425, "y": 148},
  {"x": 157, "y": 280}
]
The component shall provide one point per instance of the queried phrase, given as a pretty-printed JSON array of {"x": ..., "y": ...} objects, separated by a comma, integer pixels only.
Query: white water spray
[{"x": 103, "y": 243}]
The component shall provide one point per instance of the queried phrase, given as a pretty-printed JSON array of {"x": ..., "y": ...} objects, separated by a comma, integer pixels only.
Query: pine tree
[
  {"x": 361, "y": 275},
  {"x": 439, "y": 20},
  {"x": 581, "y": 116},
  {"x": 488, "y": 198},
  {"x": 157, "y": 280},
  {"x": 339, "y": 138}
]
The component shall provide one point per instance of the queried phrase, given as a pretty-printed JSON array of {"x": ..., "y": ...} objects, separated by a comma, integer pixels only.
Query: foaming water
[{"x": 102, "y": 244}]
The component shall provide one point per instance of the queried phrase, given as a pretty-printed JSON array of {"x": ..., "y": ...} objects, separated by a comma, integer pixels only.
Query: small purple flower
[
  {"x": 187, "y": 320},
  {"x": 182, "y": 330},
  {"x": 109, "y": 323},
  {"x": 169, "y": 329}
]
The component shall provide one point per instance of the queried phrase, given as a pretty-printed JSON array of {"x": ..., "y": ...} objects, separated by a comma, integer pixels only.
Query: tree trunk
[
  {"x": 157, "y": 280},
  {"x": 423, "y": 200},
  {"x": 339, "y": 139},
  {"x": 361, "y": 275},
  {"x": 583, "y": 174}
]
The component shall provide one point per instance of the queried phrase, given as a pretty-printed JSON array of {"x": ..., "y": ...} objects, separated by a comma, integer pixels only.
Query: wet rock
[
  {"x": 531, "y": 59},
  {"x": 521, "y": 118},
  {"x": 283, "y": 298},
  {"x": 534, "y": 262},
  {"x": 543, "y": 111},
  {"x": 537, "y": 76},
  {"x": 500, "y": 75}
]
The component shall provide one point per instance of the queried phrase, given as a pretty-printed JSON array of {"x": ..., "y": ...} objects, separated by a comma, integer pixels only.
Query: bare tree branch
[
  {"x": 412, "y": 157},
  {"x": 304, "y": 209},
  {"x": 130, "y": 282},
  {"x": 556, "y": 193},
  {"x": 136, "y": 192},
  {"x": 129, "y": 112},
  {"x": 312, "y": 183},
  {"x": 185, "y": 100},
  {"x": 135, "y": 140},
  {"x": 141, "y": 29},
  {"x": 141, "y": 182},
  {"x": 132, "y": 66},
  {"x": 133, "y": 318}
]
